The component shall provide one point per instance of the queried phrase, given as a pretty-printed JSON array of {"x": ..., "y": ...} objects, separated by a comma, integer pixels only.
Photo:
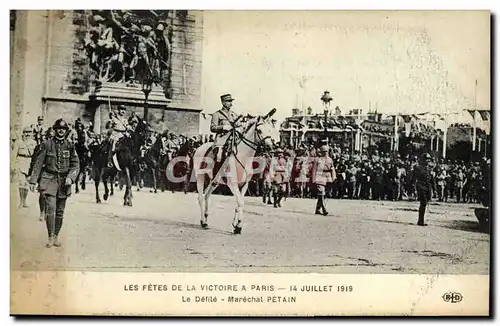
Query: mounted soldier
[
  {"x": 119, "y": 126},
  {"x": 222, "y": 124}
]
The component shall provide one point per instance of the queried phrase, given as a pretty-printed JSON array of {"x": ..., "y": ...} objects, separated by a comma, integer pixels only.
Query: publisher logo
[{"x": 452, "y": 297}]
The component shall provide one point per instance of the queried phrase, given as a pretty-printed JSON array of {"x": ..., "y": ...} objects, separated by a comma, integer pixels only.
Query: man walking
[
  {"x": 323, "y": 174},
  {"x": 56, "y": 166},
  {"x": 424, "y": 182}
]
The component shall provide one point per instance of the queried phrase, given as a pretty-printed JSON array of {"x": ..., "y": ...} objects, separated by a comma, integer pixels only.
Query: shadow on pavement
[
  {"x": 394, "y": 222},
  {"x": 469, "y": 226},
  {"x": 462, "y": 225},
  {"x": 168, "y": 223}
]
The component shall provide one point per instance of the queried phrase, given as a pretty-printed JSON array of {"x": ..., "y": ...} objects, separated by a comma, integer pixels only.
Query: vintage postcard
[{"x": 250, "y": 163}]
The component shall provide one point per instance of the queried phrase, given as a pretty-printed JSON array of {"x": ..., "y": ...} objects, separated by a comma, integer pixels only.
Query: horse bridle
[{"x": 252, "y": 144}]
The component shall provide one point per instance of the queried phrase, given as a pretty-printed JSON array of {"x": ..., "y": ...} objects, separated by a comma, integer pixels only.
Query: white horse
[{"x": 237, "y": 169}]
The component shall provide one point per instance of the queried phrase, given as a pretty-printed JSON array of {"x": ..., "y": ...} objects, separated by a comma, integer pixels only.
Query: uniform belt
[{"x": 23, "y": 155}]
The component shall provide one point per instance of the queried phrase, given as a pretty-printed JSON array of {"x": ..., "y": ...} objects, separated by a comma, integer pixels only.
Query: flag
[
  {"x": 472, "y": 113},
  {"x": 407, "y": 129},
  {"x": 406, "y": 118},
  {"x": 485, "y": 115}
]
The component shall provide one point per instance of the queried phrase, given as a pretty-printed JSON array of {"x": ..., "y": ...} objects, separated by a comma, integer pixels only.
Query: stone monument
[{"x": 84, "y": 63}]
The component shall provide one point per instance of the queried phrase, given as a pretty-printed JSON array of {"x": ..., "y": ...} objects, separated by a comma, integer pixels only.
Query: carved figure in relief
[{"x": 123, "y": 47}]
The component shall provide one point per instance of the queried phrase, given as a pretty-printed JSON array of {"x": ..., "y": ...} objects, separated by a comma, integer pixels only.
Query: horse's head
[{"x": 266, "y": 131}]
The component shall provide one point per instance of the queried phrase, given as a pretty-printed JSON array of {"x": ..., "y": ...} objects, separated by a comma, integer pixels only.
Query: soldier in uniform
[
  {"x": 323, "y": 174},
  {"x": 21, "y": 154},
  {"x": 55, "y": 169},
  {"x": 266, "y": 180},
  {"x": 39, "y": 130},
  {"x": 119, "y": 125},
  {"x": 41, "y": 201},
  {"x": 423, "y": 180},
  {"x": 222, "y": 123},
  {"x": 279, "y": 178}
]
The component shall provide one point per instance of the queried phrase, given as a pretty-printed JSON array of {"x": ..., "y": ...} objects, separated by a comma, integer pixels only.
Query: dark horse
[
  {"x": 83, "y": 156},
  {"x": 182, "y": 168},
  {"x": 149, "y": 157},
  {"x": 124, "y": 161},
  {"x": 100, "y": 171}
]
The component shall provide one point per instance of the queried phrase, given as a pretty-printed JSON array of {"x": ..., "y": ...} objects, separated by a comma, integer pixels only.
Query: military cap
[
  {"x": 426, "y": 156},
  {"x": 226, "y": 98},
  {"x": 324, "y": 148}
]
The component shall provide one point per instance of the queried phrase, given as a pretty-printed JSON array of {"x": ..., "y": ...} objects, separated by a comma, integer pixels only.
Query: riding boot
[
  {"x": 219, "y": 155},
  {"x": 319, "y": 204},
  {"x": 41, "y": 203},
  {"x": 323, "y": 205},
  {"x": 268, "y": 196},
  {"x": 59, "y": 222},
  {"x": 24, "y": 196},
  {"x": 421, "y": 213},
  {"x": 110, "y": 154},
  {"x": 50, "y": 227},
  {"x": 275, "y": 197},
  {"x": 279, "y": 197},
  {"x": 21, "y": 197}
]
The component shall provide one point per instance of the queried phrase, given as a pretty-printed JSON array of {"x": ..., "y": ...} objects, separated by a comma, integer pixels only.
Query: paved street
[{"x": 161, "y": 233}]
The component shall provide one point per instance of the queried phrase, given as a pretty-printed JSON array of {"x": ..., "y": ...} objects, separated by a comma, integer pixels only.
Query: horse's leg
[
  {"x": 105, "y": 178},
  {"x": 187, "y": 181},
  {"x": 97, "y": 180},
  {"x": 240, "y": 201},
  {"x": 112, "y": 183},
  {"x": 137, "y": 180},
  {"x": 200, "y": 185},
  {"x": 153, "y": 170},
  {"x": 84, "y": 176},
  {"x": 128, "y": 189},
  {"x": 76, "y": 182}
]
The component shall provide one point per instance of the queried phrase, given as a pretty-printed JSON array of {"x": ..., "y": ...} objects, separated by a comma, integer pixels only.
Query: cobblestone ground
[{"x": 161, "y": 232}]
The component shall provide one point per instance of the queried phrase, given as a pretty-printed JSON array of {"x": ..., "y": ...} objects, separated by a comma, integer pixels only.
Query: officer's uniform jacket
[
  {"x": 21, "y": 153},
  {"x": 423, "y": 178},
  {"x": 119, "y": 126},
  {"x": 56, "y": 161},
  {"x": 38, "y": 132},
  {"x": 323, "y": 171},
  {"x": 266, "y": 175},
  {"x": 280, "y": 170},
  {"x": 221, "y": 118}
]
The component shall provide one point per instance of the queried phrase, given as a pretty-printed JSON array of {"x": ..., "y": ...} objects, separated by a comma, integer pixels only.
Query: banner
[
  {"x": 407, "y": 118},
  {"x": 472, "y": 113},
  {"x": 485, "y": 115},
  {"x": 407, "y": 129}
]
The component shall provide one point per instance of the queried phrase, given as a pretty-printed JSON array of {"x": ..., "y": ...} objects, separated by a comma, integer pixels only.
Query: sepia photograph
[{"x": 216, "y": 162}]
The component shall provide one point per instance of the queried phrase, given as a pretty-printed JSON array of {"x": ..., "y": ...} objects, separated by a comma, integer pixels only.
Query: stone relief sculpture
[{"x": 128, "y": 46}]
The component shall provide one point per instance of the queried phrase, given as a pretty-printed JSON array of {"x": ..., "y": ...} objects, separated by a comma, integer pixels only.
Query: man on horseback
[
  {"x": 222, "y": 124},
  {"x": 119, "y": 126}
]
